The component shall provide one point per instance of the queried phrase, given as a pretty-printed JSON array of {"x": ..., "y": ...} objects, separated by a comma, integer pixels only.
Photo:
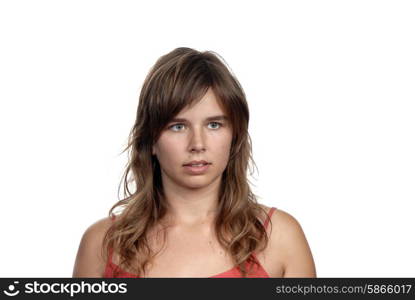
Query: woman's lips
[{"x": 196, "y": 170}]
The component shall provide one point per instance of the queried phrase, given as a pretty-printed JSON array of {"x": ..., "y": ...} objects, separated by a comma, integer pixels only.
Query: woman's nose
[{"x": 197, "y": 141}]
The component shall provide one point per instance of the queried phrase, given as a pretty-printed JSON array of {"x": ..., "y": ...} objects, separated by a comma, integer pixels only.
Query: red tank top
[{"x": 258, "y": 271}]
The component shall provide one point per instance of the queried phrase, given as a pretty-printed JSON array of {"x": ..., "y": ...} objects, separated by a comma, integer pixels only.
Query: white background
[{"x": 330, "y": 85}]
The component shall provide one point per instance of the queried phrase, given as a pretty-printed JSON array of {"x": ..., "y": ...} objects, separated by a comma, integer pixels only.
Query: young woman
[{"x": 192, "y": 213}]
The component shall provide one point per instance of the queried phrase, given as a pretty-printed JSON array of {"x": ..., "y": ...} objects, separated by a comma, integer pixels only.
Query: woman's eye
[
  {"x": 175, "y": 126},
  {"x": 219, "y": 124}
]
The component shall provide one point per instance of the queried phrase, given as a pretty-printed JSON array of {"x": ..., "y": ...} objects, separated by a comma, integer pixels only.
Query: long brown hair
[{"x": 178, "y": 79}]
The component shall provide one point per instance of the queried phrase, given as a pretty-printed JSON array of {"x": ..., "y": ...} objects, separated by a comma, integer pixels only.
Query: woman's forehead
[{"x": 207, "y": 107}]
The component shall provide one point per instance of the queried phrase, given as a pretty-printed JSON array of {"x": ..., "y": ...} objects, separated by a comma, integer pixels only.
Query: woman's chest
[
  {"x": 197, "y": 254},
  {"x": 189, "y": 255}
]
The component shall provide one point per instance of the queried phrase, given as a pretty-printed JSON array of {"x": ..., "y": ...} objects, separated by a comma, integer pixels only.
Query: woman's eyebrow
[{"x": 216, "y": 118}]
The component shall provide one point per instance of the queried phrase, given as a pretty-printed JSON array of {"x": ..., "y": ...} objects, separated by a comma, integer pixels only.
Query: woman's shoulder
[
  {"x": 89, "y": 259},
  {"x": 97, "y": 230},
  {"x": 288, "y": 242},
  {"x": 101, "y": 225},
  {"x": 281, "y": 219}
]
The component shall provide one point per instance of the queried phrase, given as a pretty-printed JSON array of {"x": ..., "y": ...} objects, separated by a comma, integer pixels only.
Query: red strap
[{"x": 271, "y": 211}]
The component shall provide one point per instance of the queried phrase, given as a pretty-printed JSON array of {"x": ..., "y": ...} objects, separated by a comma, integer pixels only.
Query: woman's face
[{"x": 193, "y": 135}]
